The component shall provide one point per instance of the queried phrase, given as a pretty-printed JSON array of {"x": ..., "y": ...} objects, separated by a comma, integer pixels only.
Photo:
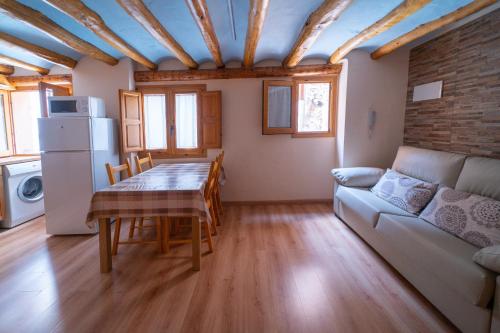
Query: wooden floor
[{"x": 282, "y": 268}]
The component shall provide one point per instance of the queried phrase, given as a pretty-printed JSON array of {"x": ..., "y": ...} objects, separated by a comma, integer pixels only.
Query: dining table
[{"x": 166, "y": 190}]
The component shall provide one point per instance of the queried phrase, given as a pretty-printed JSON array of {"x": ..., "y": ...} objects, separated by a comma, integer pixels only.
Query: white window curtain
[
  {"x": 155, "y": 119},
  {"x": 3, "y": 128},
  {"x": 279, "y": 103},
  {"x": 186, "y": 121},
  {"x": 25, "y": 112}
]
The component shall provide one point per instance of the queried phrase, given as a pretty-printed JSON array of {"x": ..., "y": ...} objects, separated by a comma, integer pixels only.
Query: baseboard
[{"x": 277, "y": 202}]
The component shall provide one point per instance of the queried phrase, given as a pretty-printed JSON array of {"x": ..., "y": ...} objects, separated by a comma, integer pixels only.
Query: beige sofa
[{"x": 438, "y": 264}]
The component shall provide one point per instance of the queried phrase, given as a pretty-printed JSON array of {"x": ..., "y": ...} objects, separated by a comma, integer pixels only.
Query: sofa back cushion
[
  {"x": 473, "y": 218},
  {"x": 430, "y": 165},
  {"x": 405, "y": 192},
  {"x": 480, "y": 176}
]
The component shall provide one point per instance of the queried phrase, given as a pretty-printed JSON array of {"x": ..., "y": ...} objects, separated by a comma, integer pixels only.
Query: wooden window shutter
[
  {"x": 211, "y": 119},
  {"x": 132, "y": 126}
]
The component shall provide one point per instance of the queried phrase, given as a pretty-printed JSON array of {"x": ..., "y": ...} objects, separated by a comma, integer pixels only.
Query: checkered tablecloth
[{"x": 165, "y": 190}]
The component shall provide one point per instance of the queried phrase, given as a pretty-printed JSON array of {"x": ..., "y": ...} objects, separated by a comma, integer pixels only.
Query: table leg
[
  {"x": 196, "y": 243},
  {"x": 105, "y": 245}
]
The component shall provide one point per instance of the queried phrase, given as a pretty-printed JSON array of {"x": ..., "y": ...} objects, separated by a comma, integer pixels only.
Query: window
[
  {"x": 171, "y": 121},
  {"x": 20, "y": 110},
  {"x": 174, "y": 121},
  {"x": 26, "y": 111},
  {"x": 303, "y": 107}
]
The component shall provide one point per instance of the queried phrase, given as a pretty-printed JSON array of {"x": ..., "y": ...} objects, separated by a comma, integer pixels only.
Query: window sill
[{"x": 313, "y": 135}]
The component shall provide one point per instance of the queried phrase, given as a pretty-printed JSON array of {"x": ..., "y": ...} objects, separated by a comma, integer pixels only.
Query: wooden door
[{"x": 46, "y": 90}]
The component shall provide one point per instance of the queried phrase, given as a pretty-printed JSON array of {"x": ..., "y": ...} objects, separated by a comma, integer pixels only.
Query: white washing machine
[{"x": 23, "y": 193}]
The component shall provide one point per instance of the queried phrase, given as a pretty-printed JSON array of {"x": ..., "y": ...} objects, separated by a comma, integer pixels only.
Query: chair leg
[
  {"x": 216, "y": 209},
  {"x": 158, "y": 233},
  {"x": 219, "y": 201},
  {"x": 166, "y": 239},
  {"x": 141, "y": 227},
  {"x": 132, "y": 228},
  {"x": 116, "y": 237},
  {"x": 208, "y": 234},
  {"x": 214, "y": 219}
]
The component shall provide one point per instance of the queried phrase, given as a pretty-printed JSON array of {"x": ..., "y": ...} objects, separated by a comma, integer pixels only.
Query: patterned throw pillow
[
  {"x": 405, "y": 192},
  {"x": 471, "y": 217}
]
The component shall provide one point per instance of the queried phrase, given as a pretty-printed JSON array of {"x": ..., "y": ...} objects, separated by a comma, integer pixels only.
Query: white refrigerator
[{"x": 74, "y": 151}]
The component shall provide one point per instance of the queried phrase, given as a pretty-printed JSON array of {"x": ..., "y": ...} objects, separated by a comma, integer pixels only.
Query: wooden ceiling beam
[
  {"x": 237, "y": 73},
  {"x": 199, "y": 10},
  {"x": 14, "y": 62},
  {"x": 39, "y": 51},
  {"x": 405, "y": 9},
  {"x": 431, "y": 26},
  {"x": 316, "y": 23},
  {"x": 6, "y": 69},
  {"x": 256, "y": 17},
  {"x": 46, "y": 25},
  {"x": 30, "y": 81},
  {"x": 138, "y": 10},
  {"x": 94, "y": 22},
  {"x": 5, "y": 84}
]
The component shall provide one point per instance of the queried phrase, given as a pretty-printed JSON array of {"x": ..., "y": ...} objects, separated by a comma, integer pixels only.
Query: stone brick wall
[{"x": 467, "y": 118}]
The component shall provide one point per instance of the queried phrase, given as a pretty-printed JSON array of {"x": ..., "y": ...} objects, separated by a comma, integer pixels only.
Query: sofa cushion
[
  {"x": 357, "y": 177},
  {"x": 471, "y": 217},
  {"x": 408, "y": 193},
  {"x": 429, "y": 165},
  {"x": 480, "y": 176},
  {"x": 366, "y": 204},
  {"x": 437, "y": 252}
]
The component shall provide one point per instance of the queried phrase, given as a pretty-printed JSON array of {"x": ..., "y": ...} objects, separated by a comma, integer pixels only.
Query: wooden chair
[
  {"x": 217, "y": 197},
  {"x": 118, "y": 223},
  {"x": 207, "y": 195},
  {"x": 139, "y": 162}
]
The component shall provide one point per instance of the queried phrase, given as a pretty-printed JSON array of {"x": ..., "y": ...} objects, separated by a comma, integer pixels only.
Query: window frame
[
  {"x": 170, "y": 91},
  {"x": 265, "y": 104},
  {"x": 9, "y": 126},
  {"x": 332, "y": 114},
  {"x": 294, "y": 83}
]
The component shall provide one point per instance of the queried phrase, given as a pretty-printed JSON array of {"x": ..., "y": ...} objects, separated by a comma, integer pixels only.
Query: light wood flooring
[{"x": 280, "y": 268}]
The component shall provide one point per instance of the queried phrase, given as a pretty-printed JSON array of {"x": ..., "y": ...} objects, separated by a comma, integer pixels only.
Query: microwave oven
[{"x": 76, "y": 106}]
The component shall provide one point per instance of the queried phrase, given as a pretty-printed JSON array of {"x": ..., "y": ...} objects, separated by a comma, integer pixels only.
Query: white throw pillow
[
  {"x": 405, "y": 192},
  {"x": 471, "y": 217}
]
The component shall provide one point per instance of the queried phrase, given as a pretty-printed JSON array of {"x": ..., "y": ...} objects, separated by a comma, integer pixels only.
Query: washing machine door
[{"x": 30, "y": 189}]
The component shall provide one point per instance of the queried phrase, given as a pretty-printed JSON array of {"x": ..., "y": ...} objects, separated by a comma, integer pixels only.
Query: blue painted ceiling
[{"x": 282, "y": 25}]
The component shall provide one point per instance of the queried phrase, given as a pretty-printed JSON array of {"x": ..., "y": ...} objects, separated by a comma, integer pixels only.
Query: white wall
[
  {"x": 95, "y": 78},
  {"x": 381, "y": 85},
  {"x": 267, "y": 167}
]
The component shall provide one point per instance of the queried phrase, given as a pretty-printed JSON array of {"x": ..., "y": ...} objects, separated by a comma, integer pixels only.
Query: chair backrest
[
  {"x": 219, "y": 160},
  {"x": 209, "y": 186},
  {"x": 139, "y": 162},
  {"x": 112, "y": 170}
]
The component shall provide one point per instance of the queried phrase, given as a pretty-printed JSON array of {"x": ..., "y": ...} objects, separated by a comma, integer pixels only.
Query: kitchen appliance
[
  {"x": 23, "y": 193},
  {"x": 76, "y": 106},
  {"x": 74, "y": 151}
]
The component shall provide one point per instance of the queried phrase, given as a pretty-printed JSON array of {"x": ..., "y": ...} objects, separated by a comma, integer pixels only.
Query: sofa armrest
[
  {"x": 357, "y": 177},
  {"x": 489, "y": 258},
  {"x": 495, "y": 316}
]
